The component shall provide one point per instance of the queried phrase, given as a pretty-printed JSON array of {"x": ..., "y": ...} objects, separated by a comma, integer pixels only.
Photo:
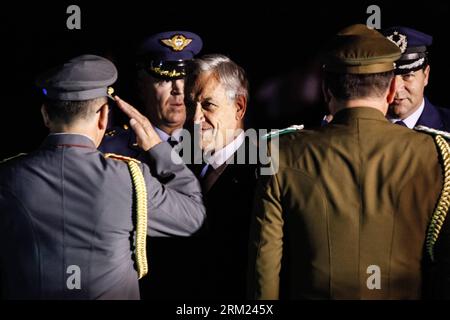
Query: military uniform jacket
[
  {"x": 346, "y": 215},
  {"x": 66, "y": 206},
  {"x": 434, "y": 117}
]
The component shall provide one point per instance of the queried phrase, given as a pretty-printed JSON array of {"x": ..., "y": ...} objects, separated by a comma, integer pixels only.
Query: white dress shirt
[
  {"x": 221, "y": 156},
  {"x": 164, "y": 136},
  {"x": 411, "y": 121}
]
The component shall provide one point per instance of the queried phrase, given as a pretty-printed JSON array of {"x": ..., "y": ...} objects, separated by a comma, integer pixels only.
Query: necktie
[
  {"x": 400, "y": 123},
  {"x": 172, "y": 142},
  {"x": 206, "y": 169},
  {"x": 210, "y": 177}
]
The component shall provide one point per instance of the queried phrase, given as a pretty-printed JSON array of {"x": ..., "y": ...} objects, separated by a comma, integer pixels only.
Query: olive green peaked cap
[{"x": 360, "y": 50}]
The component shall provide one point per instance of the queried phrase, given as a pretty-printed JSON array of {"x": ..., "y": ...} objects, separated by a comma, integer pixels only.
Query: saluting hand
[{"x": 146, "y": 136}]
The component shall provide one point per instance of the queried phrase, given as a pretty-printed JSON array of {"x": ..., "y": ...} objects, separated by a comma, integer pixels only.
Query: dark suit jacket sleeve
[
  {"x": 266, "y": 244},
  {"x": 175, "y": 208}
]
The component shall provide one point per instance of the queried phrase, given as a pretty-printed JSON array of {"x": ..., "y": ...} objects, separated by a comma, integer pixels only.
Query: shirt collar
[
  {"x": 221, "y": 156},
  {"x": 164, "y": 136},
  {"x": 411, "y": 121}
]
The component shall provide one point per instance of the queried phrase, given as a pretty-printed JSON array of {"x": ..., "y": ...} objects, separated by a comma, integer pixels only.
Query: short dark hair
[
  {"x": 69, "y": 111},
  {"x": 345, "y": 86}
]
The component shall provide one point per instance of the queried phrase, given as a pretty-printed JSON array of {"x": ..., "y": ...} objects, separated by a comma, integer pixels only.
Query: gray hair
[{"x": 230, "y": 75}]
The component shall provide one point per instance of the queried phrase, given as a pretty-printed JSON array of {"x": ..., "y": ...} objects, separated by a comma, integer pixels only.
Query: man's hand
[
  {"x": 146, "y": 136},
  {"x": 327, "y": 119}
]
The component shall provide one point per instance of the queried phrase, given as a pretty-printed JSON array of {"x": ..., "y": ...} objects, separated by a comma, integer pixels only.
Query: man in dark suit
[
  {"x": 216, "y": 90},
  {"x": 410, "y": 107},
  {"x": 74, "y": 221}
]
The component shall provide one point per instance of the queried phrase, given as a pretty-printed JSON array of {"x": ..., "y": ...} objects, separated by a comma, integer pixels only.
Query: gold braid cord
[
  {"x": 141, "y": 211},
  {"x": 170, "y": 74},
  {"x": 438, "y": 218}
]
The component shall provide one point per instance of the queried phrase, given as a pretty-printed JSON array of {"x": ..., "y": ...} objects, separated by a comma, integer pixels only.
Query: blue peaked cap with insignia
[
  {"x": 85, "y": 77},
  {"x": 414, "y": 46},
  {"x": 164, "y": 54}
]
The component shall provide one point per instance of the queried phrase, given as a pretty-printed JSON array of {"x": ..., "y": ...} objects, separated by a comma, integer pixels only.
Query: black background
[{"x": 271, "y": 40}]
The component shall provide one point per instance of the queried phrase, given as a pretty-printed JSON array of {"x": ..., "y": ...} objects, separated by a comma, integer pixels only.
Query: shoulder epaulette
[
  {"x": 432, "y": 131},
  {"x": 277, "y": 133},
  {"x": 14, "y": 157},
  {"x": 120, "y": 157}
]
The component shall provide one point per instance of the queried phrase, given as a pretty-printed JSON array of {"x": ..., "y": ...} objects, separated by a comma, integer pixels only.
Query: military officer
[
  {"x": 346, "y": 214},
  {"x": 73, "y": 221},
  {"x": 161, "y": 70},
  {"x": 410, "y": 108}
]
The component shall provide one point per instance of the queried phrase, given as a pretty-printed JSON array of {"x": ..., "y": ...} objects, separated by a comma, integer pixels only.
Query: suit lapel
[
  {"x": 224, "y": 169},
  {"x": 210, "y": 179}
]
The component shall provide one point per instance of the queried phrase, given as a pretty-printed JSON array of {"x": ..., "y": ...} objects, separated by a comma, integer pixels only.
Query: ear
[
  {"x": 391, "y": 91},
  {"x": 241, "y": 106},
  {"x": 45, "y": 116},
  {"x": 103, "y": 118},
  {"x": 427, "y": 75}
]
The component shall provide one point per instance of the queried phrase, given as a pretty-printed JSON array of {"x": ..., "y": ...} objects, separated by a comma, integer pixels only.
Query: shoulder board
[
  {"x": 280, "y": 132},
  {"x": 14, "y": 157},
  {"x": 433, "y": 132},
  {"x": 120, "y": 157}
]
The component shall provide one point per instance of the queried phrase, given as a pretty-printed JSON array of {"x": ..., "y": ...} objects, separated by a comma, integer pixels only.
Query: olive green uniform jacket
[{"x": 346, "y": 215}]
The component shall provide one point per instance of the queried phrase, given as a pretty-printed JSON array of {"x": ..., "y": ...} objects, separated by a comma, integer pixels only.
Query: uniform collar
[
  {"x": 69, "y": 140},
  {"x": 347, "y": 114}
]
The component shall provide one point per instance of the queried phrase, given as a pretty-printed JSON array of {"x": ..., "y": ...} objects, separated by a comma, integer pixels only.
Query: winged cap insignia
[{"x": 178, "y": 42}]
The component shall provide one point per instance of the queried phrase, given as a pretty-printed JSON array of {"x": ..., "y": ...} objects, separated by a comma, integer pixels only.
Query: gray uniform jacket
[{"x": 66, "y": 208}]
